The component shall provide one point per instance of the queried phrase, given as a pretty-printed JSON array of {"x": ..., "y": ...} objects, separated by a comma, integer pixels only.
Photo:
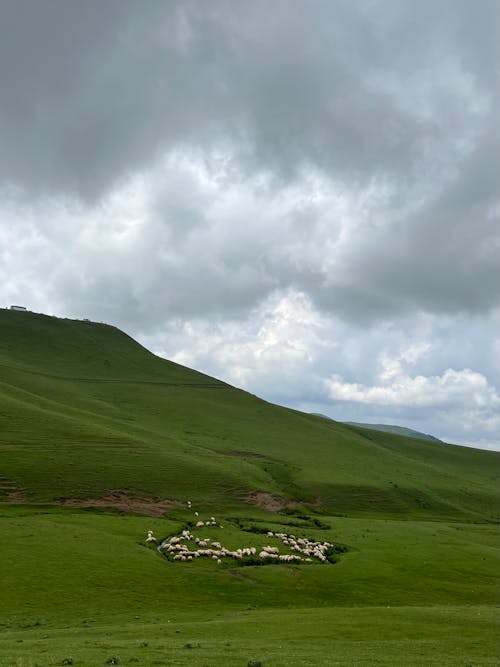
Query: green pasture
[
  {"x": 348, "y": 636},
  {"x": 82, "y": 584}
]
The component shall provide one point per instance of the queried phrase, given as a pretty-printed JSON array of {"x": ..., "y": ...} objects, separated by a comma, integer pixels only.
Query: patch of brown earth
[
  {"x": 266, "y": 501},
  {"x": 10, "y": 492},
  {"x": 121, "y": 500},
  {"x": 16, "y": 498}
]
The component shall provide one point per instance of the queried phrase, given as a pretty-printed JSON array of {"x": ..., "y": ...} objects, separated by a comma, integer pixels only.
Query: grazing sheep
[
  {"x": 271, "y": 550},
  {"x": 174, "y": 548}
]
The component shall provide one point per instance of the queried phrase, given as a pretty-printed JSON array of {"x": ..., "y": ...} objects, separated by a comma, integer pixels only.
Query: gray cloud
[{"x": 91, "y": 93}]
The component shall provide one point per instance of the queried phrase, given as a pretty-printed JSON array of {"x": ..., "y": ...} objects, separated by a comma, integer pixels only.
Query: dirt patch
[
  {"x": 120, "y": 500},
  {"x": 16, "y": 498},
  {"x": 11, "y": 493},
  {"x": 266, "y": 501}
]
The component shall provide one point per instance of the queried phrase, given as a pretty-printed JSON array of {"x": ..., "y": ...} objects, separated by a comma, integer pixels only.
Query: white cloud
[
  {"x": 274, "y": 350},
  {"x": 459, "y": 402},
  {"x": 453, "y": 387}
]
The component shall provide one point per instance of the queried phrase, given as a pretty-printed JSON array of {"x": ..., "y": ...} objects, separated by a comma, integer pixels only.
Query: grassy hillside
[
  {"x": 90, "y": 420},
  {"x": 85, "y": 410}
]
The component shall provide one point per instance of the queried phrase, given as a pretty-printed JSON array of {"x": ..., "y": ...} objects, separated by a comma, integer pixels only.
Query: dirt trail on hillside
[{"x": 125, "y": 502}]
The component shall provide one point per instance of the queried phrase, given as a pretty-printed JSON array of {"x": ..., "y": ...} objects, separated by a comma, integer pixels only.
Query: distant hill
[
  {"x": 85, "y": 410},
  {"x": 399, "y": 430},
  {"x": 388, "y": 428}
]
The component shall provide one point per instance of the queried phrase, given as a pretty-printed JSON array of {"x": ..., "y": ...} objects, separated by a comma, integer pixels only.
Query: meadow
[{"x": 89, "y": 419}]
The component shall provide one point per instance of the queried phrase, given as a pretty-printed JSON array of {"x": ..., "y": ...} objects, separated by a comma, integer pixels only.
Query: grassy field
[
  {"x": 86, "y": 412},
  {"x": 82, "y": 585}
]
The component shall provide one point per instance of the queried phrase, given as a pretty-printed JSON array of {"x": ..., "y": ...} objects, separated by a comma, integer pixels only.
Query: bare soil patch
[
  {"x": 121, "y": 500},
  {"x": 16, "y": 498},
  {"x": 11, "y": 493},
  {"x": 266, "y": 501}
]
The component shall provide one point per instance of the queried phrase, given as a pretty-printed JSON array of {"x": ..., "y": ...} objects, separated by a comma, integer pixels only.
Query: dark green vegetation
[
  {"x": 399, "y": 430},
  {"x": 86, "y": 412}
]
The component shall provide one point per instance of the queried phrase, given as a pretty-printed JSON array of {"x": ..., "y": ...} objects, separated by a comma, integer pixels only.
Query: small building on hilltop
[{"x": 21, "y": 308}]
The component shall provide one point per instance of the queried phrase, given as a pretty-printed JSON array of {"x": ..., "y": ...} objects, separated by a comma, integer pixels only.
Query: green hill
[
  {"x": 94, "y": 411},
  {"x": 96, "y": 432}
]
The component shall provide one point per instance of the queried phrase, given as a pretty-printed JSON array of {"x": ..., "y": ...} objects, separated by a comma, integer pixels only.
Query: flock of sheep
[{"x": 178, "y": 548}]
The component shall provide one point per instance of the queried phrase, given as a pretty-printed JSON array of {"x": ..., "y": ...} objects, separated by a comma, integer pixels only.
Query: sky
[{"x": 298, "y": 196}]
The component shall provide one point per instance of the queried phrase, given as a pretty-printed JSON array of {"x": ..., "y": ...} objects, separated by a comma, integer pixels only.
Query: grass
[
  {"x": 450, "y": 636},
  {"x": 84, "y": 410},
  {"x": 405, "y": 591}
]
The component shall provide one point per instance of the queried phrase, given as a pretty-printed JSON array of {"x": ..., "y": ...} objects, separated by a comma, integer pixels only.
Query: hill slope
[{"x": 86, "y": 410}]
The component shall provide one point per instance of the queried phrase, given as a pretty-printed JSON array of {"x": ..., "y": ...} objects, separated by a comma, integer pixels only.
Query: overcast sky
[{"x": 297, "y": 196}]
